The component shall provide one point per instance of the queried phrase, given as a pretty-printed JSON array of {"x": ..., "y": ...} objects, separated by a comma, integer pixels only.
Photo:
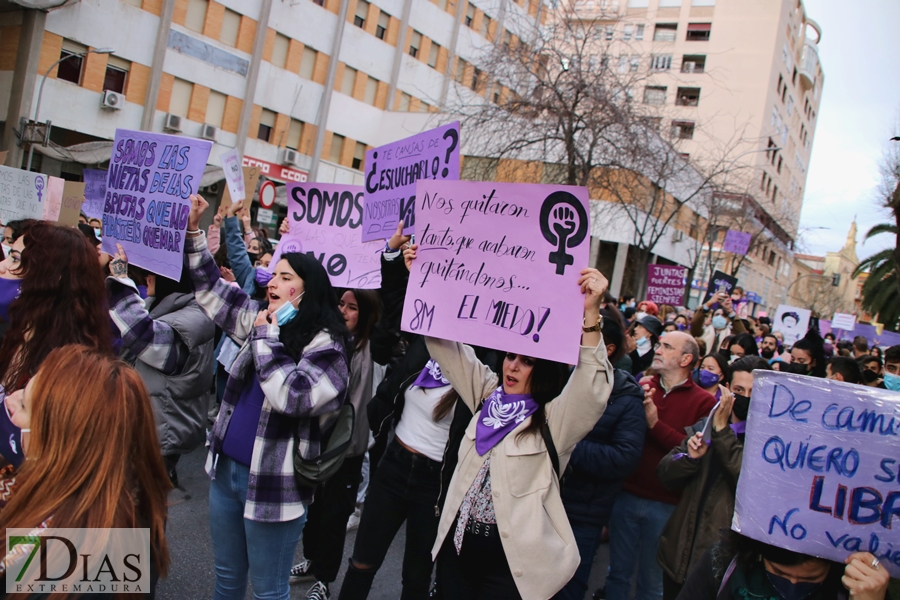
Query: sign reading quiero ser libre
[
  {"x": 151, "y": 178},
  {"x": 820, "y": 468},
  {"x": 498, "y": 265}
]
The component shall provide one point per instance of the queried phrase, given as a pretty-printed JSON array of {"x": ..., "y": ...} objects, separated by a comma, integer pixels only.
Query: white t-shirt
[{"x": 416, "y": 428}]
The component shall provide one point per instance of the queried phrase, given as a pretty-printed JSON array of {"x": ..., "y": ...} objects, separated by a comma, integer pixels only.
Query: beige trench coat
[{"x": 534, "y": 529}]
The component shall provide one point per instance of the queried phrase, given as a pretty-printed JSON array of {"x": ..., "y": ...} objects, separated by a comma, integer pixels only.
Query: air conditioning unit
[
  {"x": 677, "y": 235},
  {"x": 688, "y": 67},
  {"x": 209, "y": 132},
  {"x": 172, "y": 123},
  {"x": 112, "y": 100},
  {"x": 286, "y": 156}
]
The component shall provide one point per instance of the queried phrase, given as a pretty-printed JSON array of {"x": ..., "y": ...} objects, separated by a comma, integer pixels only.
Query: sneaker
[
  {"x": 302, "y": 571},
  {"x": 353, "y": 521},
  {"x": 319, "y": 591}
]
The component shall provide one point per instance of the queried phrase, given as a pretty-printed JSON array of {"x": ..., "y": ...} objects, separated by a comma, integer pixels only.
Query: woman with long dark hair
[
  {"x": 284, "y": 391},
  {"x": 93, "y": 456},
  {"x": 62, "y": 300},
  {"x": 808, "y": 355}
]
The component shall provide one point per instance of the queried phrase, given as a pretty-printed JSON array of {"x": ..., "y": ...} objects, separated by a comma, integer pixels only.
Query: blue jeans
[
  {"x": 240, "y": 545},
  {"x": 634, "y": 529},
  {"x": 587, "y": 538}
]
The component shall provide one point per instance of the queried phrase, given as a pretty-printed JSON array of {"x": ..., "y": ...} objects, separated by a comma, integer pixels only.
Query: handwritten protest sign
[
  {"x": 792, "y": 322},
  {"x": 820, "y": 468},
  {"x": 326, "y": 220},
  {"x": 719, "y": 281},
  {"x": 391, "y": 174},
  {"x": 843, "y": 321},
  {"x": 22, "y": 194},
  {"x": 497, "y": 266},
  {"x": 234, "y": 175},
  {"x": 737, "y": 242},
  {"x": 251, "y": 178},
  {"x": 94, "y": 193},
  {"x": 73, "y": 197},
  {"x": 665, "y": 284},
  {"x": 151, "y": 179}
]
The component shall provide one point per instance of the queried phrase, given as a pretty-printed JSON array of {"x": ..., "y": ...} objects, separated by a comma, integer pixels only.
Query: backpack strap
[{"x": 551, "y": 447}]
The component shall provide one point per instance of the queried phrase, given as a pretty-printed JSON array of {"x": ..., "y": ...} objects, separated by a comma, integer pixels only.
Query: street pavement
[{"x": 191, "y": 572}]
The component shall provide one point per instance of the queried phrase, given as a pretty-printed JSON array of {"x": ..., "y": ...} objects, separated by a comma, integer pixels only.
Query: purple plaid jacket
[{"x": 301, "y": 399}]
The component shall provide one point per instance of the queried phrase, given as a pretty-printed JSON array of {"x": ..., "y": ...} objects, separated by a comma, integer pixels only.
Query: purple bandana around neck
[
  {"x": 501, "y": 414},
  {"x": 739, "y": 428},
  {"x": 431, "y": 376}
]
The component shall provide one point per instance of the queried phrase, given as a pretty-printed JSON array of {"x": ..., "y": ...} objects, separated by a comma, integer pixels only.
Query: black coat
[{"x": 606, "y": 456}]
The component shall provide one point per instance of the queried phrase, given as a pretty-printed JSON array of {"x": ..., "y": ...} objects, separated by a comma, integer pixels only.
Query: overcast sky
[{"x": 859, "y": 112}]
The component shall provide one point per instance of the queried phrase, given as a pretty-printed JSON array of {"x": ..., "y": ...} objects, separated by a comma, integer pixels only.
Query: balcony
[
  {"x": 596, "y": 9},
  {"x": 809, "y": 57}
]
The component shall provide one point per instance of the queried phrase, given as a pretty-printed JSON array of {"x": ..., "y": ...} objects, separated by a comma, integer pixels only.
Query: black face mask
[
  {"x": 253, "y": 258},
  {"x": 797, "y": 369},
  {"x": 741, "y": 406},
  {"x": 869, "y": 376}
]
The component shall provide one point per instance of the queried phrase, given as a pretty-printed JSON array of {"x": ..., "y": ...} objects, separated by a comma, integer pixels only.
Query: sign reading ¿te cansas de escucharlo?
[
  {"x": 821, "y": 468},
  {"x": 498, "y": 265},
  {"x": 151, "y": 178}
]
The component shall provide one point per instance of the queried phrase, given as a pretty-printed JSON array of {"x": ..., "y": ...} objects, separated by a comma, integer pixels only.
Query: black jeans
[
  {"x": 479, "y": 572},
  {"x": 326, "y": 521},
  {"x": 671, "y": 588},
  {"x": 404, "y": 488}
]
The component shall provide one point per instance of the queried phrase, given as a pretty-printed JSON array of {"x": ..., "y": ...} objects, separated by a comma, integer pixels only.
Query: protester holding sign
[
  {"x": 707, "y": 472},
  {"x": 286, "y": 386},
  {"x": 715, "y": 328},
  {"x": 62, "y": 300}
]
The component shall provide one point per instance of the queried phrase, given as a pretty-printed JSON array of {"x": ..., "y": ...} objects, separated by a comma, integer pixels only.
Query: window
[
  {"x": 693, "y": 63},
  {"x": 433, "y": 55},
  {"x": 683, "y": 130},
  {"x": 231, "y": 25},
  {"x": 639, "y": 33},
  {"x": 414, "y": 44},
  {"x": 337, "y": 148},
  {"x": 476, "y": 79},
  {"x": 196, "y": 15},
  {"x": 371, "y": 90},
  {"x": 294, "y": 135},
  {"x": 383, "y": 21},
  {"x": 460, "y": 70},
  {"x": 405, "y": 100},
  {"x": 70, "y": 68},
  {"x": 623, "y": 64},
  {"x": 780, "y": 160},
  {"x": 661, "y": 62},
  {"x": 180, "y": 100},
  {"x": 307, "y": 63},
  {"x": 790, "y": 105},
  {"x": 687, "y": 96},
  {"x": 627, "y": 32},
  {"x": 655, "y": 95},
  {"x": 485, "y": 25},
  {"x": 653, "y": 123},
  {"x": 665, "y": 32},
  {"x": 635, "y": 63},
  {"x": 280, "y": 50},
  {"x": 215, "y": 108},
  {"x": 116, "y": 74},
  {"x": 348, "y": 80},
  {"x": 610, "y": 32},
  {"x": 319, "y": 2},
  {"x": 470, "y": 15},
  {"x": 266, "y": 125},
  {"x": 359, "y": 156},
  {"x": 423, "y": 106},
  {"x": 698, "y": 32},
  {"x": 362, "y": 10}
]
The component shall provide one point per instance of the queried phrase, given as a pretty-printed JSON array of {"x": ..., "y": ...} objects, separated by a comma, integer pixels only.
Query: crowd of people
[{"x": 508, "y": 470}]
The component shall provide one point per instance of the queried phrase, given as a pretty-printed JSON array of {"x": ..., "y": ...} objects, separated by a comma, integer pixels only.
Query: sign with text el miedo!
[
  {"x": 821, "y": 469},
  {"x": 498, "y": 265}
]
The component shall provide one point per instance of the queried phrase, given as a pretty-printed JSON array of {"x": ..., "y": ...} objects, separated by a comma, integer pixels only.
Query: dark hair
[
  {"x": 795, "y": 316},
  {"x": 62, "y": 301},
  {"x": 747, "y": 364},
  {"x": 847, "y": 367},
  {"x": 629, "y": 312},
  {"x": 813, "y": 343},
  {"x": 613, "y": 333},
  {"x": 723, "y": 364},
  {"x": 88, "y": 232},
  {"x": 20, "y": 226},
  {"x": 725, "y": 347},
  {"x": 750, "y": 554},
  {"x": 868, "y": 358},
  {"x": 317, "y": 311},
  {"x": 772, "y": 335},
  {"x": 369, "y": 304},
  {"x": 165, "y": 286},
  {"x": 764, "y": 321},
  {"x": 547, "y": 381},
  {"x": 892, "y": 354},
  {"x": 861, "y": 343},
  {"x": 745, "y": 341}
]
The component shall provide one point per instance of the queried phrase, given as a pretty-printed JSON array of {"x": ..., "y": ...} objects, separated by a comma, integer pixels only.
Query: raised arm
[{"x": 473, "y": 380}]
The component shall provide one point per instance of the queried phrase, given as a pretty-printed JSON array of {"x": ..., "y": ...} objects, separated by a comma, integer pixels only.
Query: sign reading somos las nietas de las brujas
[{"x": 821, "y": 468}]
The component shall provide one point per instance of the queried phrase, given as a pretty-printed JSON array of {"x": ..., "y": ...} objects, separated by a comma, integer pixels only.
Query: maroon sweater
[{"x": 683, "y": 406}]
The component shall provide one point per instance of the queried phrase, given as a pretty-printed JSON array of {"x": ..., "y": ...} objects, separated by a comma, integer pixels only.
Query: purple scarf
[
  {"x": 431, "y": 376},
  {"x": 500, "y": 414}
]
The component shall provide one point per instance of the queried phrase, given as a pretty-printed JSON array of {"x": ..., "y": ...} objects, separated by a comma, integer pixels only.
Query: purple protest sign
[
  {"x": 497, "y": 266},
  {"x": 150, "y": 181},
  {"x": 820, "y": 471},
  {"x": 391, "y": 174},
  {"x": 94, "y": 193},
  {"x": 326, "y": 220},
  {"x": 665, "y": 284},
  {"x": 737, "y": 242}
]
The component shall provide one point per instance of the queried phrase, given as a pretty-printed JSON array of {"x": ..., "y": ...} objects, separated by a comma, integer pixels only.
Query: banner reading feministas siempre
[
  {"x": 498, "y": 265},
  {"x": 326, "y": 220},
  {"x": 391, "y": 174},
  {"x": 151, "y": 178}
]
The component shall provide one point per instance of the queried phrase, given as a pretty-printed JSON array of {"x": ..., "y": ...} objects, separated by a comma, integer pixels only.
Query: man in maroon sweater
[{"x": 672, "y": 401}]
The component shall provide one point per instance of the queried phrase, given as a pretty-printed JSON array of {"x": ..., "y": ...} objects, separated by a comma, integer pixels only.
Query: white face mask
[
  {"x": 640, "y": 315},
  {"x": 6, "y": 249}
]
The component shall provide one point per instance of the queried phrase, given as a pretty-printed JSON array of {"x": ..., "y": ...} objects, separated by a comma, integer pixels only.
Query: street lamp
[{"x": 37, "y": 108}]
